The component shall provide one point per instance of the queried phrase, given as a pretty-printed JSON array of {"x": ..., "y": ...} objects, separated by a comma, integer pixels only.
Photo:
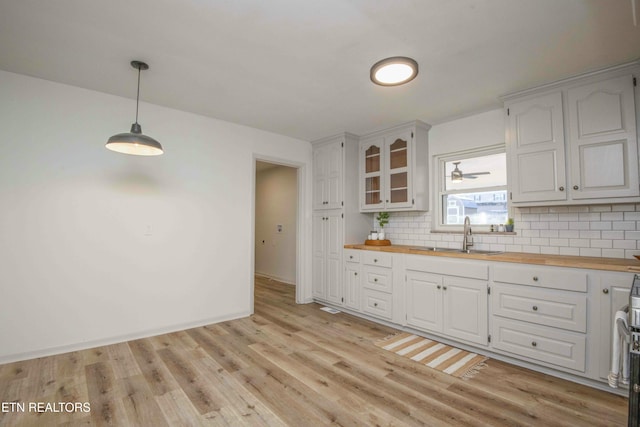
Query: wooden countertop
[{"x": 593, "y": 263}]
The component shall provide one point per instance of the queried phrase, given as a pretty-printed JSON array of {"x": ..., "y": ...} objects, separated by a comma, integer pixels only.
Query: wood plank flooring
[{"x": 288, "y": 365}]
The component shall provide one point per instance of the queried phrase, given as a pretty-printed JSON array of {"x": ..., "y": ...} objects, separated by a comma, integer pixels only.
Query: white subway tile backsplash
[{"x": 602, "y": 231}]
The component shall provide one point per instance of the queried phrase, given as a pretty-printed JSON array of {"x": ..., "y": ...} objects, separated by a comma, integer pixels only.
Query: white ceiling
[{"x": 301, "y": 67}]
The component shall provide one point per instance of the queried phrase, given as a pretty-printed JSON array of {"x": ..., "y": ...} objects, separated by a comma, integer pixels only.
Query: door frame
[{"x": 302, "y": 225}]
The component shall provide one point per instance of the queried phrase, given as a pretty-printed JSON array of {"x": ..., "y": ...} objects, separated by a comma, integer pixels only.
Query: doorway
[{"x": 276, "y": 222}]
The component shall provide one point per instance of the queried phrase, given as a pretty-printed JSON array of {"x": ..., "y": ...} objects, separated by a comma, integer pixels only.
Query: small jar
[
  {"x": 501, "y": 228},
  {"x": 374, "y": 235}
]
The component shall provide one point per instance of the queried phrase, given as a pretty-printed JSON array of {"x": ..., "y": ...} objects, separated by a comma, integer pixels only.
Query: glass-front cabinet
[{"x": 393, "y": 169}]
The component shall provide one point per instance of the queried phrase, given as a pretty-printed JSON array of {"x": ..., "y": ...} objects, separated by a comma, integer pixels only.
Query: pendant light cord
[{"x": 138, "y": 95}]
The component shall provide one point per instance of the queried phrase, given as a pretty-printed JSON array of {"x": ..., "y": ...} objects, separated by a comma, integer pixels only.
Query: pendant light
[{"x": 135, "y": 142}]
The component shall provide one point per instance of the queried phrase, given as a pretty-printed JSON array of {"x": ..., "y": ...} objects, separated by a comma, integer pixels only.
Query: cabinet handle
[
  {"x": 444, "y": 287},
  {"x": 535, "y": 278},
  {"x": 575, "y": 187},
  {"x": 561, "y": 188},
  {"x": 534, "y": 344},
  {"x": 535, "y": 308},
  {"x": 605, "y": 291},
  {"x": 439, "y": 286}
]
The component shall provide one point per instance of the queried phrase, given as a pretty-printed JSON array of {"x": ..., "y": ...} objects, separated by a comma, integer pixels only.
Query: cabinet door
[
  {"x": 424, "y": 301},
  {"x": 613, "y": 295},
  {"x": 398, "y": 151},
  {"x": 334, "y": 248},
  {"x": 334, "y": 175},
  {"x": 535, "y": 149},
  {"x": 603, "y": 142},
  {"x": 320, "y": 166},
  {"x": 465, "y": 309},
  {"x": 319, "y": 255},
  {"x": 371, "y": 177},
  {"x": 352, "y": 285}
]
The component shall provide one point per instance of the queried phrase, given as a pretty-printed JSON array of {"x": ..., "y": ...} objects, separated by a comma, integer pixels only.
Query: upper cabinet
[
  {"x": 575, "y": 142},
  {"x": 393, "y": 169},
  {"x": 327, "y": 175}
]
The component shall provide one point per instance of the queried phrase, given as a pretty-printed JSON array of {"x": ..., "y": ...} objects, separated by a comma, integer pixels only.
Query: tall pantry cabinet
[{"x": 336, "y": 216}]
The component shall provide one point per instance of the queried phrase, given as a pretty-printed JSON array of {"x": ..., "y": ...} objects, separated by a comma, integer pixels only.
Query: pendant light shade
[{"x": 135, "y": 142}]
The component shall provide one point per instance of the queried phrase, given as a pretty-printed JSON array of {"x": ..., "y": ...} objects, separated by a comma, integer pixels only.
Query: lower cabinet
[
  {"x": 540, "y": 313},
  {"x": 327, "y": 256},
  {"x": 448, "y": 305},
  {"x": 612, "y": 294},
  {"x": 559, "y": 318}
]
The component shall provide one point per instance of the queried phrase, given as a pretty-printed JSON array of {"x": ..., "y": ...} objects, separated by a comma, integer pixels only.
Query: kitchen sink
[
  {"x": 453, "y": 250},
  {"x": 433, "y": 249}
]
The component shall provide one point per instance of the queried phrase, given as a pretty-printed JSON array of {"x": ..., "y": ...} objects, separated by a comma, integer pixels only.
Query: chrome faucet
[{"x": 467, "y": 239}]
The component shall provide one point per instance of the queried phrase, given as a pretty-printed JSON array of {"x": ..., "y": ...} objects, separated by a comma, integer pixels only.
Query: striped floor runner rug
[{"x": 444, "y": 358}]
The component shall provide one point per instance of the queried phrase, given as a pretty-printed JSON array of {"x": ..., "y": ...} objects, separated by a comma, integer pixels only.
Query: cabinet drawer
[
  {"x": 560, "y": 348},
  {"x": 376, "y": 258},
  {"x": 559, "y": 309},
  {"x": 378, "y": 278},
  {"x": 352, "y": 255},
  {"x": 545, "y": 277},
  {"x": 377, "y": 303}
]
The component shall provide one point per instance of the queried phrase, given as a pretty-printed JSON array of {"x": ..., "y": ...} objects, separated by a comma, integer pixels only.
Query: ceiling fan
[{"x": 457, "y": 175}]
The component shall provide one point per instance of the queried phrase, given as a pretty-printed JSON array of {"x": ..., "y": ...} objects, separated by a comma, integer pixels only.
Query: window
[{"x": 473, "y": 184}]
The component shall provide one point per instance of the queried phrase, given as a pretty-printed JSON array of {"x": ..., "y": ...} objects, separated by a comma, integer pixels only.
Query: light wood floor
[{"x": 288, "y": 365}]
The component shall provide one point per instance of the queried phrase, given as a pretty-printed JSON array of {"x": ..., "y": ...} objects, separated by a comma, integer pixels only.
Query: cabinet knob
[
  {"x": 439, "y": 286},
  {"x": 355, "y": 274},
  {"x": 561, "y": 188},
  {"x": 535, "y": 278},
  {"x": 375, "y": 260},
  {"x": 535, "y": 308},
  {"x": 375, "y": 280},
  {"x": 444, "y": 287},
  {"x": 575, "y": 187},
  {"x": 605, "y": 291},
  {"x": 387, "y": 201},
  {"x": 350, "y": 256},
  {"x": 534, "y": 344},
  {"x": 375, "y": 304}
]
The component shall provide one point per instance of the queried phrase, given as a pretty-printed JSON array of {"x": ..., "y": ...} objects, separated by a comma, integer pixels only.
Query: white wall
[
  {"x": 599, "y": 230},
  {"x": 98, "y": 247},
  {"x": 276, "y": 204}
]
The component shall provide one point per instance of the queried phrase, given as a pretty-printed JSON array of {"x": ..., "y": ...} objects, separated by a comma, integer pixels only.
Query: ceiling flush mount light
[
  {"x": 394, "y": 71},
  {"x": 135, "y": 142}
]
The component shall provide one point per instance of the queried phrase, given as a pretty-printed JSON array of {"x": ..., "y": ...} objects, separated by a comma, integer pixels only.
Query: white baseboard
[
  {"x": 274, "y": 277},
  {"x": 18, "y": 357}
]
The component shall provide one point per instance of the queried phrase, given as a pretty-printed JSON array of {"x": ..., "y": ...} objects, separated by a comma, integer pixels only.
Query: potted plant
[
  {"x": 509, "y": 225},
  {"x": 383, "y": 219}
]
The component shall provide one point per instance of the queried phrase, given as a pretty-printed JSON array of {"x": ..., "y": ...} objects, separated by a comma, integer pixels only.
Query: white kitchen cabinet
[
  {"x": 336, "y": 219},
  {"x": 453, "y": 306},
  {"x": 447, "y": 304},
  {"x": 535, "y": 148},
  {"x": 574, "y": 141},
  {"x": 327, "y": 256},
  {"x": 393, "y": 168},
  {"x": 612, "y": 294},
  {"x": 377, "y": 284},
  {"x": 540, "y": 313},
  {"x": 327, "y": 175},
  {"x": 603, "y": 141},
  {"x": 352, "y": 284}
]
